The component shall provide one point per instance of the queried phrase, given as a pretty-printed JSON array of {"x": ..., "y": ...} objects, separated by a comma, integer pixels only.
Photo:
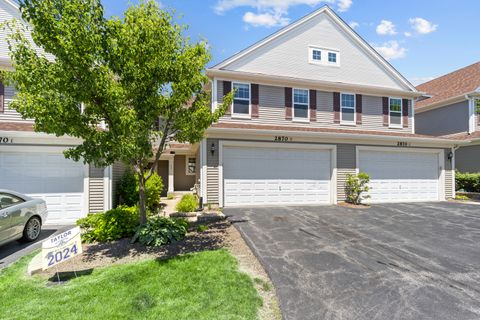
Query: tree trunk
[{"x": 142, "y": 203}]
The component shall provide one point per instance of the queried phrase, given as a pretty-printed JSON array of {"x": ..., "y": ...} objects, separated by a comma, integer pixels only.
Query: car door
[{"x": 8, "y": 209}]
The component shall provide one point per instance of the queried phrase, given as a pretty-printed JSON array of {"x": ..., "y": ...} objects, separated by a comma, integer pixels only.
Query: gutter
[
  {"x": 313, "y": 84},
  {"x": 352, "y": 136}
]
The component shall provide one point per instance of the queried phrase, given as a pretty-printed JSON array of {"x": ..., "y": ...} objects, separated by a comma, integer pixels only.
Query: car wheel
[{"x": 32, "y": 229}]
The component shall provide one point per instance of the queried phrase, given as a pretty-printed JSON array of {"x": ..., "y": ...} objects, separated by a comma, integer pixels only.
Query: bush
[
  {"x": 112, "y": 225},
  {"x": 469, "y": 182},
  {"x": 188, "y": 203},
  {"x": 355, "y": 186},
  {"x": 159, "y": 231},
  {"x": 127, "y": 190}
]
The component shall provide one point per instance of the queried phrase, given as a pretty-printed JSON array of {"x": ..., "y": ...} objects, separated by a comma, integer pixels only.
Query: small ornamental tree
[
  {"x": 125, "y": 86},
  {"x": 355, "y": 187}
]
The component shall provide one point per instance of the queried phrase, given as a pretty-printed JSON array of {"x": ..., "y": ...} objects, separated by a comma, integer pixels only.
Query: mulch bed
[{"x": 353, "y": 206}]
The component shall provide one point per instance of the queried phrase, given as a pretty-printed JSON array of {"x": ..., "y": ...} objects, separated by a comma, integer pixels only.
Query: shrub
[
  {"x": 461, "y": 197},
  {"x": 159, "y": 231},
  {"x": 355, "y": 186},
  {"x": 127, "y": 190},
  {"x": 469, "y": 182},
  {"x": 114, "y": 224},
  {"x": 188, "y": 203}
]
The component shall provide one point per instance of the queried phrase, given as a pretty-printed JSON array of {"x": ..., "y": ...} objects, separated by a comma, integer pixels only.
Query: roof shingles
[{"x": 451, "y": 85}]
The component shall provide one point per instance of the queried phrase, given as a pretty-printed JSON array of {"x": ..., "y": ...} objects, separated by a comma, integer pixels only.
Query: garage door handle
[{"x": 279, "y": 188}]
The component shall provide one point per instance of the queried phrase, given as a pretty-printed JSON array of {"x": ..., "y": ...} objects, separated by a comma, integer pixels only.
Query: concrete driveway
[
  {"x": 12, "y": 251},
  {"x": 395, "y": 261}
]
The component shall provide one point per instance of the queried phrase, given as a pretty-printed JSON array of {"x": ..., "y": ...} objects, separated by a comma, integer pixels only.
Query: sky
[{"x": 422, "y": 39}]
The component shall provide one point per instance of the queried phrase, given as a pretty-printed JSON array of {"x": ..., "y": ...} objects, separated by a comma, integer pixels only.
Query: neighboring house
[
  {"x": 33, "y": 163},
  {"x": 313, "y": 103},
  {"x": 451, "y": 108}
]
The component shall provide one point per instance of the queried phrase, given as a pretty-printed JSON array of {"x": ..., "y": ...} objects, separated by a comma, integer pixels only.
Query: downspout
[{"x": 454, "y": 191}]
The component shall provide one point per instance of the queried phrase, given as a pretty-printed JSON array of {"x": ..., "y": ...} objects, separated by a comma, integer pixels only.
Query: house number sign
[
  {"x": 4, "y": 140},
  {"x": 282, "y": 139},
  {"x": 403, "y": 144}
]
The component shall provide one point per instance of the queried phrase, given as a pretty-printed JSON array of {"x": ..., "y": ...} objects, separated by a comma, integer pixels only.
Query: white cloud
[
  {"x": 386, "y": 28},
  {"x": 408, "y": 34},
  {"x": 273, "y": 12},
  {"x": 422, "y": 26},
  {"x": 391, "y": 50},
  {"x": 354, "y": 24},
  {"x": 265, "y": 19}
]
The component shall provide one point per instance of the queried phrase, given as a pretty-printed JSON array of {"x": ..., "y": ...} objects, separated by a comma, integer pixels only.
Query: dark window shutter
[
  {"x": 313, "y": 105},
  {"x": 288, "y": 103},
  {"x": 405, "y": 112},
  {"x": 385, "y": 111},
  {"x": 255, "y": 99},
  {"x": 227, "y": 88},
  {"x": 336, "y": 107},
  {"x": 359, "y": 108},
  {"x": 2, "y": 97}
]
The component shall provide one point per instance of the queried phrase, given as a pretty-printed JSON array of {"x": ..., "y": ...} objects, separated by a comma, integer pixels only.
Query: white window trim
[
  {"x": 324, "y": 56},
  {"x": 187, "y": 158},
  {"x": 296, "y": 119},
  {"x": 243, "y": 115},
  {"x": 347, "y": 122},
  {"x": 395, "y": 126}
]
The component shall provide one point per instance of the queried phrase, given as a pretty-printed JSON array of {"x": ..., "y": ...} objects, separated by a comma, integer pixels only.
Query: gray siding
[
  {"x": 118, "y": 169},
  {"x": 96, "y": 189},
  {"x": 446, "y": 120},
  {"x": 272, "y": 111},
  {"x": 9, "y": 114},
  {"x": 467, "y": 159}
]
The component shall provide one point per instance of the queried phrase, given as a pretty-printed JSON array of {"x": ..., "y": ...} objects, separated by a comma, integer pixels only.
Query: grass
[{"x": 204, "y": 285}]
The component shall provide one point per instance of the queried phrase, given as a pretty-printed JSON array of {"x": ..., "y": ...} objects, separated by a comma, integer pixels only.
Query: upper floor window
[
  {"x": 323, "y": 56},
  {"x": 332, "y": 57},
  {"x": 300, "y": 104},
  {"x": 395, "y": 112},
  {"x": 347, "y": 104},
  {"x": 241, "y": 99},
  {"x": 316, "y": 55}
]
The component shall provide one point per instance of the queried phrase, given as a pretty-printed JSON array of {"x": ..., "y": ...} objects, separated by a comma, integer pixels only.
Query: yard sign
[{"x": 61, "y": 248}]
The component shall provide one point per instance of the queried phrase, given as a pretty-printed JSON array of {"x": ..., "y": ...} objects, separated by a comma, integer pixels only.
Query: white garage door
[
  {"x": 401, "y": 176},
  {"x": 276, "y": 176},
  {"x": 48, "y": 176}
]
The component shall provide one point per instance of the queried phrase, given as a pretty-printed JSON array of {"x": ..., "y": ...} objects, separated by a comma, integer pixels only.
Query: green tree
[
  {"x": 355, "y": 187},
  {"x": 139, "y": 78}
]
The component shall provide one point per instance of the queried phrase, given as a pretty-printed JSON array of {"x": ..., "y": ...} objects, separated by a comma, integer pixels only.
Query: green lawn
[{"x": 205, "y": 285}]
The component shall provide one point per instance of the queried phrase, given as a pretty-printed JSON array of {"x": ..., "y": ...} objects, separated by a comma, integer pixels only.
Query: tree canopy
[{"x": 125, "y": 86}]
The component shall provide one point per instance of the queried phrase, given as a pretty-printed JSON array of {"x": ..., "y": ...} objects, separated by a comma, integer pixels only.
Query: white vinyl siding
[{"x": 281, "y": 57}]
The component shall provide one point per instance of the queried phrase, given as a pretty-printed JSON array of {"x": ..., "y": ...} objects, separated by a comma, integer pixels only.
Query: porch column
[{"x": 171, "y": 169}]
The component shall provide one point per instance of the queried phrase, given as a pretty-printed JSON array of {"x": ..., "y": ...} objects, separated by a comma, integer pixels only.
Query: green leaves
[
  {"x": 159, "y": 231},
  {"x": 355, "y": 187}
]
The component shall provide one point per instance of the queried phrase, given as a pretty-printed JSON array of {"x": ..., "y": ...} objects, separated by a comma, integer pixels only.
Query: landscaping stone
[{"x": 210, "y": 217}]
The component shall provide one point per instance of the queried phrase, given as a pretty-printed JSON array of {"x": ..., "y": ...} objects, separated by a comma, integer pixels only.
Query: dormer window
[
  {"x": 323, "y": 56},
  {"x": 316, "y": 55},
  {"x": 332, "y": 57}
]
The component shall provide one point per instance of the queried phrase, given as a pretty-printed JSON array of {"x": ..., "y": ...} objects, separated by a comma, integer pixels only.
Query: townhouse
[
  {"x": 313, "y": 103},
  {"x": 451, "y": 108}
]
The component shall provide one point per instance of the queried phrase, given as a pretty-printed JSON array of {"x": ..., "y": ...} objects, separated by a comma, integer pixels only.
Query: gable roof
[
  {"x": 450, "y": 86},
  {"x": 342, "y": 24}
]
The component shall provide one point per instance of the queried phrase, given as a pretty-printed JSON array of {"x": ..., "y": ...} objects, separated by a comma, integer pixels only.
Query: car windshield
[{"x": 8, "y": 200}]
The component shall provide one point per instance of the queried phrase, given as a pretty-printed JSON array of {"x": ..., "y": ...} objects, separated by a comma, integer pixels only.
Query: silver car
[{"x": 21, "y": 217}]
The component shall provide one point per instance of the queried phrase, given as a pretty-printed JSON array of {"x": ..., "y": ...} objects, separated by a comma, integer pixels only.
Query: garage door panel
[
  {"x": 275, "y": 176},
  {"x": 401, "y": 176},
  {"x": 48, "y": 176}
]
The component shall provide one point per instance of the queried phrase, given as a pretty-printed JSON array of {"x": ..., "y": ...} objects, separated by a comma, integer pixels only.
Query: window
[
  {"x": 395, "y": 107},
  {"x": 300, "y": 104},
  {"x": 347, "y": 106},
  {"x": 191, "y": 166},
  {"x": 332, "y": 57},
  {"x": 8, "y": 200},
  {"x": 241, "y": 100},
  {"x": 316, "y": 55}
]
